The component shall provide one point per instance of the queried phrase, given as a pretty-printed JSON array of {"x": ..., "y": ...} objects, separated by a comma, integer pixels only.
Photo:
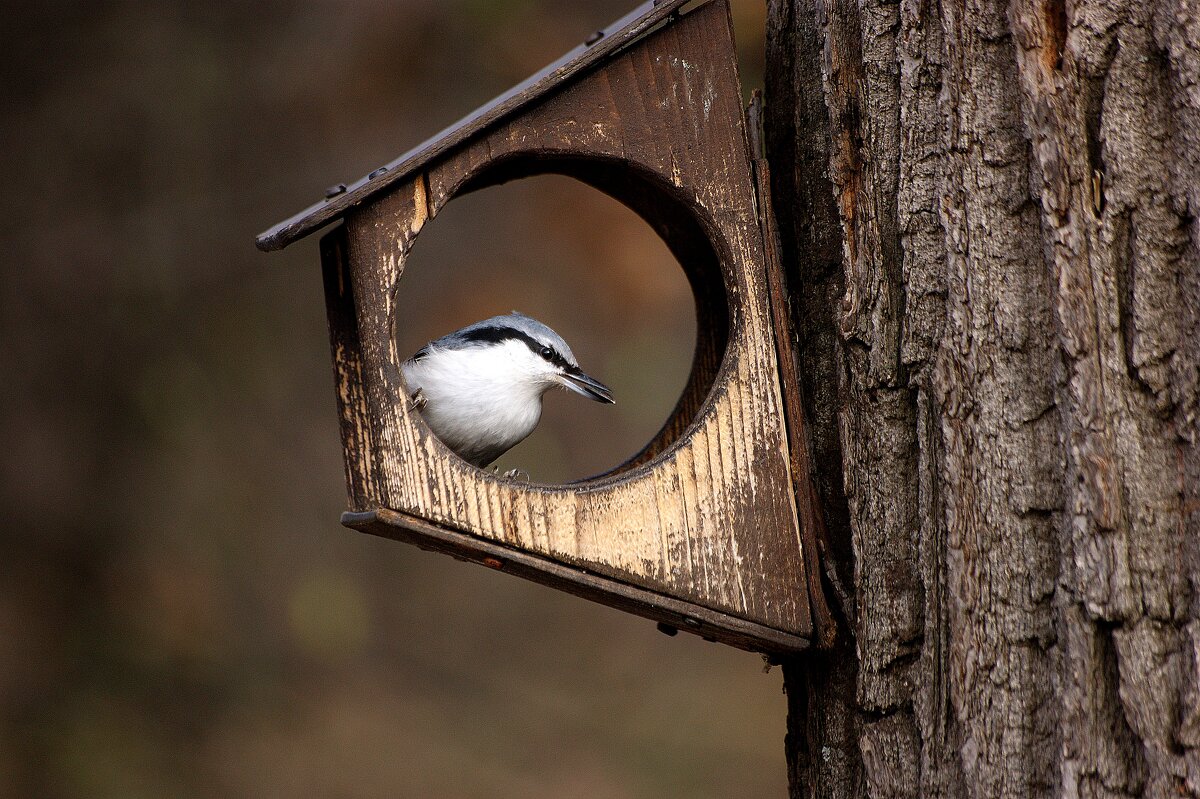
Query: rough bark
[{"x": 988, "y": 216}]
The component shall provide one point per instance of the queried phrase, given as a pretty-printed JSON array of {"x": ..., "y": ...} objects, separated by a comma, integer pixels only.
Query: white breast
[{"x": 479, "y": 400}]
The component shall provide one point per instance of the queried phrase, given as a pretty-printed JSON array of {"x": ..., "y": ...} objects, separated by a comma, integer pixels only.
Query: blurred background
[{"x": 180, "y": 612}]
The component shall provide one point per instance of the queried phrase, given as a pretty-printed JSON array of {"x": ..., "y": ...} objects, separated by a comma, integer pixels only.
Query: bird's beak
[{"x": 589, "y": 387}]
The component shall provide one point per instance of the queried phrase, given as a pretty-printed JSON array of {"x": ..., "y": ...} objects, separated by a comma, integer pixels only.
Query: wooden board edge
[
  {"x": 354, "y": 417},
  {"x": 668, "y": 612},
  {"x": 809, "y": 513}
]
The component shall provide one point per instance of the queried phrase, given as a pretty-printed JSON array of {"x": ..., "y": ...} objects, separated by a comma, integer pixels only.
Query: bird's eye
[{"x": 546, "y": 352}]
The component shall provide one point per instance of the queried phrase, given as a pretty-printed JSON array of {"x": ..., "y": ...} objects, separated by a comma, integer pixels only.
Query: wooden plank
[
  {"x": 670, "y": 613},
  {"x": 808, "y": 502},
  {"x": 619, "y": 34},
  {"x": 353, "y": 413}
]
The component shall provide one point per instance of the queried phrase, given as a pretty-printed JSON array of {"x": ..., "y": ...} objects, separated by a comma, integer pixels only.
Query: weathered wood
[
  {"x": 1015, "y": 370},
  {"x": 808, "y": 501},
  {"x": 353, "y": 414},
  {"x": 703, "y": 522}
]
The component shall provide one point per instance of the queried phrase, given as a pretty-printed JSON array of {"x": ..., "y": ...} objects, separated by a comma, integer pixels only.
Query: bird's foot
[
  {"x": 417, "y": 401},
  {"x": 516, "y": 475}
]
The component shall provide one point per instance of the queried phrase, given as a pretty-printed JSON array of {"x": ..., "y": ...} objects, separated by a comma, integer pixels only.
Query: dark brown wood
[
  {"x": 665, "y": 610},
  {"x": 353, "y": 413},
  {"x": 639, "y": 22},
  {"x": 808, "y": 502}
]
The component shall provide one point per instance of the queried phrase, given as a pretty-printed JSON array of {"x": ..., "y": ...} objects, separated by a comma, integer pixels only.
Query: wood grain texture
[
  {"x": 706, "y": 514},
  {"x": 353, "y": 415},
  {"x": 1015, "y": 371},
  {"x": 813, "y": 531}
]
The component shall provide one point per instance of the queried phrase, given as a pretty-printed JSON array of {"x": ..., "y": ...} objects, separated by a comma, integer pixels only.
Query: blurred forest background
[{"x": 181, "y": 614}]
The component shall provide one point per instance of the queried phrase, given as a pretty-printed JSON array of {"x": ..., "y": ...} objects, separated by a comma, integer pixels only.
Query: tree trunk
[{"x": 988, "y": 216}]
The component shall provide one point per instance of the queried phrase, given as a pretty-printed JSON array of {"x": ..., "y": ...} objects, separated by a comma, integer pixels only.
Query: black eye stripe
[{"x": 497, "y": 334}]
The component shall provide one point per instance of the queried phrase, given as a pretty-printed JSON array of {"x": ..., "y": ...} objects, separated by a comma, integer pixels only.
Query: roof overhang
[{"x": 632, "y": 27}]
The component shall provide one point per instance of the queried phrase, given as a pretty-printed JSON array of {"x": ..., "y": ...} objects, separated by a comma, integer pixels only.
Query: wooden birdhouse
[{"x": 710, "y": 528}]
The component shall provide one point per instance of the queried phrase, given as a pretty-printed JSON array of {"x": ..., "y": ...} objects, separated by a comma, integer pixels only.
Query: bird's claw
[
  {"x": 516, "y": 475},
  {"x": 417, "y": 401}
]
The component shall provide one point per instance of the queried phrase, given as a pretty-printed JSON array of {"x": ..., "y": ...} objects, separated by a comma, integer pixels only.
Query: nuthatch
[{"x": 480, "y": 388}]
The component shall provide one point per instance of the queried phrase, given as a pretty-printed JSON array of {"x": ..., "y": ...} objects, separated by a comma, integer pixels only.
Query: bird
[{"x": 479, "y": 389}]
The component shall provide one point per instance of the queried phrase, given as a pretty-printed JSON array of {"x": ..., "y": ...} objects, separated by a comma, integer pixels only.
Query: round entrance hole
[{"x": 571, "y": 256}]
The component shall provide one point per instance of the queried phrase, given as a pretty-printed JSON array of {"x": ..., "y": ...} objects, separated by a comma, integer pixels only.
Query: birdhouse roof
[{"x": 598, "y": 47}]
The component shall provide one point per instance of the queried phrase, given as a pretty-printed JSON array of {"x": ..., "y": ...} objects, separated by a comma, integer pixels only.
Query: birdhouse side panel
[{"x": 358, "y": 437}]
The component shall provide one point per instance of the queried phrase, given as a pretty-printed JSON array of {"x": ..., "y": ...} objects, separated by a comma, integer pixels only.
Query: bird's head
[{"x": 530, "y": 353}]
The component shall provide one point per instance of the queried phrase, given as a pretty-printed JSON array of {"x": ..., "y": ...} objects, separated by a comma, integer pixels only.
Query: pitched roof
[{"x": 600, "y": 45}]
